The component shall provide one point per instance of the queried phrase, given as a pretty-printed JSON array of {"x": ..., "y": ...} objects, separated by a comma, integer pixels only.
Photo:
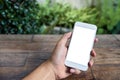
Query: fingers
[
  {"x": 65, "y": 38},
  {"x": 93, "y": 53},
  {"x": 91, "y": 62},
  {"x": 75, "y": 71},
  {"x": 96, "y": 40}
]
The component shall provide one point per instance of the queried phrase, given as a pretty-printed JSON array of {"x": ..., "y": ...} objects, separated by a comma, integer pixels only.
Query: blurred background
[{"x": 58, "y": 16}]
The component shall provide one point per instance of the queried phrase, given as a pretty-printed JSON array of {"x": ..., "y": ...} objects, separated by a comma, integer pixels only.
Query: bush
[
  {"x": 18, "y": 16},
  {"x": 105, "y": 15},
  {"x": 108, "y": 20},
  {"x": 28, "y": 17},
  {"x": 65, "y": 16}
]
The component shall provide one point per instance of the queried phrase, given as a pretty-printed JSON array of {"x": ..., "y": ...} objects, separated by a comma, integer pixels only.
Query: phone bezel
[{"x": 77, "y": 65}]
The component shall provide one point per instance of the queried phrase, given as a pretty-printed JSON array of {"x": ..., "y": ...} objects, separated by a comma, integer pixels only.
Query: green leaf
[
  {"x": 100, "y": 31},
  {"x": 1, "y": 4}
]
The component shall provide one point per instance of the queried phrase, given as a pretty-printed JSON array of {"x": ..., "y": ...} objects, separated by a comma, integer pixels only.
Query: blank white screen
[{"x": 81, "y": 45}]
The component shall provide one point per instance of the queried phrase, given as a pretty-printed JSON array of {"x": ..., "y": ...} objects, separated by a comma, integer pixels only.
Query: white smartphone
[{"x": 80, "y": 46}]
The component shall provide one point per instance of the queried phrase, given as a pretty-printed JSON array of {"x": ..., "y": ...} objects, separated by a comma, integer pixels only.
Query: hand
[{"x": 58, "y": 58}]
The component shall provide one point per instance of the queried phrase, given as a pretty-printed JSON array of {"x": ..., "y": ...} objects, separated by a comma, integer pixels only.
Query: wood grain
[
  {"x": 20, "y": 54},
  {"x": 12, "y": 59}
]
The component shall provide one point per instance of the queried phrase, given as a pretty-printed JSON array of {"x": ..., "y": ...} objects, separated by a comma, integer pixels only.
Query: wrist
[{"x": 53, "y": 68}]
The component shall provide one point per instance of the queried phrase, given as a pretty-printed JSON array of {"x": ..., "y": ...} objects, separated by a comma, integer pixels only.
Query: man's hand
[
  {"x": 54, "y": 67},
  {"x": 58, "y": 58}
]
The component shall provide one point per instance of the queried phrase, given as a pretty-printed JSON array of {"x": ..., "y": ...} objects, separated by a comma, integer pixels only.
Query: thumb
[{"x": 65, "y": 37}]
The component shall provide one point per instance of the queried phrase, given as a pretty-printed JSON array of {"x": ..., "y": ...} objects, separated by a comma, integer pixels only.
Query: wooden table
[{"x": 20, "y": 54}]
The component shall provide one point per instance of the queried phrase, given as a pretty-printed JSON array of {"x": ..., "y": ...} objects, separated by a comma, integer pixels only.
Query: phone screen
[{"x": 81, "y": 44}]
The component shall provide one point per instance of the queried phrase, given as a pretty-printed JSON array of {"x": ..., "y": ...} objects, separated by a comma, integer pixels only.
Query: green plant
[
  {"x": 51, "y": 16},
  {"x": 18, "y": 16},
  {"x": 108, "y": 18},
  {"x": 28, "y": 17}
]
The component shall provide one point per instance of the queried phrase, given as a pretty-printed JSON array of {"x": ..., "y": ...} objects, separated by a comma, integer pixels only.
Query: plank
[
  {"x": 12, "y": 73},
  {"x": 36, "y": 58},
  {"x": 107, "y": 41},
  {"x": 117, "y": 37},
  {"x": 107, "y": 64},
  {"x": 46, "y": 38},
  {"x": 107, "y": 56},
  {"x": 107, "y": 61},
  {"x": 12, "y": 59},
  {"x": 14, "y": 46},
  {"x": 15, "y": 37},
  {"x": 42, "y": 43}
]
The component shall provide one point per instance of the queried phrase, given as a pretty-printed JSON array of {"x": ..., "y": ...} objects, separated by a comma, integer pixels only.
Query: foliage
[
  {"x": 63, "y": 16},
  {"x": 18, "y": 16},
  {"x": 105, "y": 15},
  {"x": 108, "y": 20},
  {"x": 28, "y": 17}
]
